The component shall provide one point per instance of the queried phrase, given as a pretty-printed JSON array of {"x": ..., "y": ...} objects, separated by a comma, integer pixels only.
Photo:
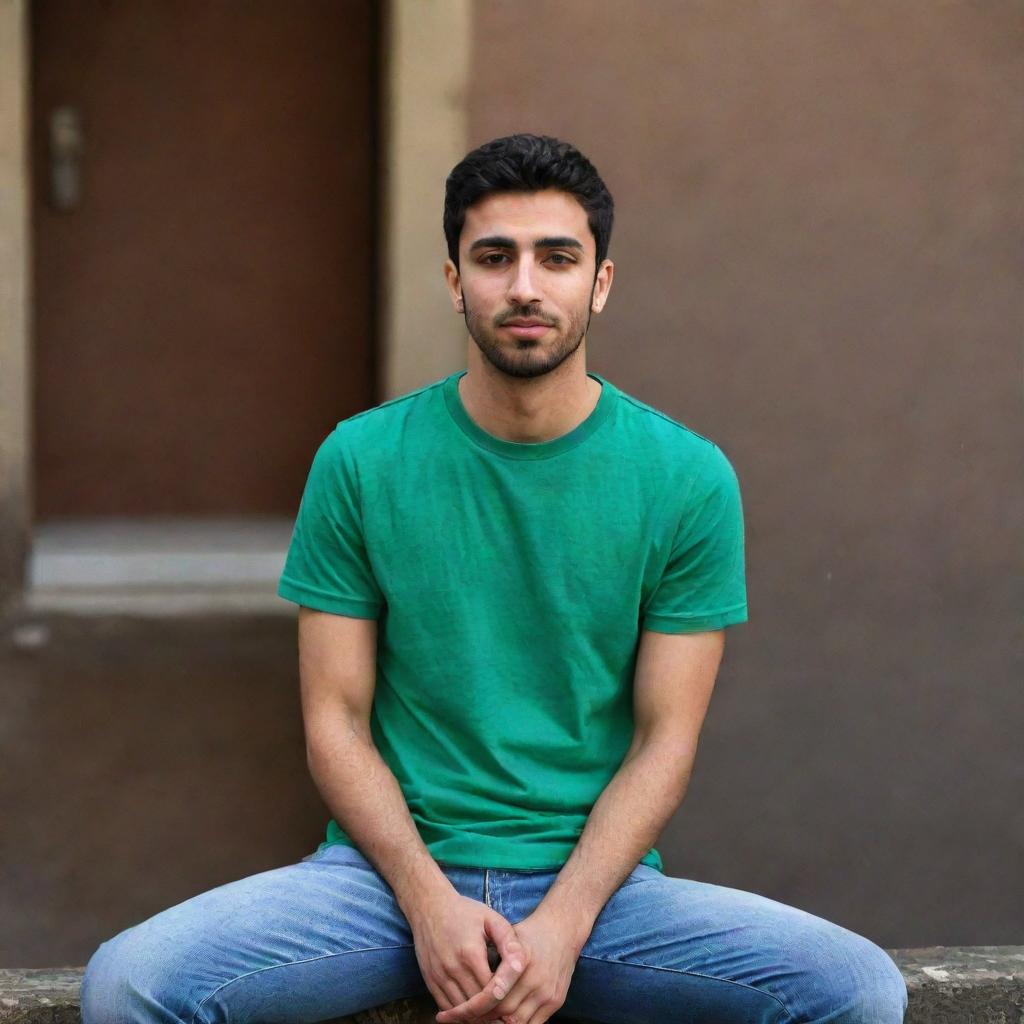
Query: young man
[{"x": 513, "y": 586}]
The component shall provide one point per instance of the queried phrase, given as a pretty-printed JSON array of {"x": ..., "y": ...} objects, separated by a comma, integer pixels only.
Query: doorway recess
[{"x": 159, "y": 565}]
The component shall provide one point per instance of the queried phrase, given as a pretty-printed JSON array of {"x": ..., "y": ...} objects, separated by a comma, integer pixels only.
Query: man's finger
[
  {"x": 455, "y": 994},
  {"x": 505, "y": 978},
  {"x": 481, "y": 969},
  {"x": 470, "y": 1010},
  {"x": 513, "y": 963},
  {"x": 439, "y": 997},
  {"x": 497, "y": 988},
  {"x": 540, "y": 1016},
  {"x": 483, "y": 1003},
  {"x": 507, "y": 942},
  {"x": 480, "y": 965}
]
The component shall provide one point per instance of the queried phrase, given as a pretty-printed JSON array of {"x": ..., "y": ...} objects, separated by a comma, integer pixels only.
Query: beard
[{"x": 528, "y": 357}]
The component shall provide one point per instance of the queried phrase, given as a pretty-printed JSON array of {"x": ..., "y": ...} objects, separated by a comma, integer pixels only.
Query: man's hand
[
  {"x": 552, "y": 944},
  {"x": 451, "y": 934}
]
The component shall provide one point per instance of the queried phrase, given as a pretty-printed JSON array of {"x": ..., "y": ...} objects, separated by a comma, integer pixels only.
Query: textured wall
[{"x": 818, "y": 244}]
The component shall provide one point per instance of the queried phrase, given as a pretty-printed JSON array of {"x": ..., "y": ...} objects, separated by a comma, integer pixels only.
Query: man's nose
[{"x": 524, "y": 290}]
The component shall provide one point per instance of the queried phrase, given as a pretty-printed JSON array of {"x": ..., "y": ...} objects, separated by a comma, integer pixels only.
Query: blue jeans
[{"x": 325, "y": 938}]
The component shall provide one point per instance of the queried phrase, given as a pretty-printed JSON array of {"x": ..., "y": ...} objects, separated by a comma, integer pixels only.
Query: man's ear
[
  {"x": 602, "y": 285},
  {"x": 454, "y": 284}
]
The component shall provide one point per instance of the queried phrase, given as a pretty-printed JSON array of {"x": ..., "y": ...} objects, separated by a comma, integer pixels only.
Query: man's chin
[
  {"x": 523, "y": 363},
  {"x": 525, "y": 368}
]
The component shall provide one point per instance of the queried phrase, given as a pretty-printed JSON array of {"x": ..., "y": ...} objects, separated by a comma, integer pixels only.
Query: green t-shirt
[{"x": 510, "y": 582}]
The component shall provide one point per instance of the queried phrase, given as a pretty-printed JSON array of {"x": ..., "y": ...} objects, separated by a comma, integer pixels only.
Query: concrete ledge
[
  {"x": 47, "y": 994},
  {"x": 954, "y": 984},
  {"x": 947, "y": 985}
]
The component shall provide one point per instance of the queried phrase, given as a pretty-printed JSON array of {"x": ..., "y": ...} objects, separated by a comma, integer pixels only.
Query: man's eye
[
  {"x": 561, "y": 257},
  {"x": 493, "y": 257}
]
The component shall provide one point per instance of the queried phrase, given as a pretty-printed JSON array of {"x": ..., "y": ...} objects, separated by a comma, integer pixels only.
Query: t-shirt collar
[{"x": 522, "y": 450}]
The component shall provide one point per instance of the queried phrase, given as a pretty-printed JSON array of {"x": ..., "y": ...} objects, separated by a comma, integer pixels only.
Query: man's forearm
[
  {"x": 364, "y": 796},
  {"x": 622, "y": 826}
]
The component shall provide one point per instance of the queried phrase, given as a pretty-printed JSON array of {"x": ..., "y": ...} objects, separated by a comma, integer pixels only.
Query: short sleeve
[
  {"x": 703, "y": 585},
  {"x": 327, "y": 567}
]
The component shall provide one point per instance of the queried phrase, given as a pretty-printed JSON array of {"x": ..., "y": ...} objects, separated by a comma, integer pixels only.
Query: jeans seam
[
  {"x": 695, "y": 974},
  {"x": 290, "y": 963}
]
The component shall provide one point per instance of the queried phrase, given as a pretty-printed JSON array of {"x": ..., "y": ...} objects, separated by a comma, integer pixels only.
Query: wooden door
[{"x": 204, "y": 305}]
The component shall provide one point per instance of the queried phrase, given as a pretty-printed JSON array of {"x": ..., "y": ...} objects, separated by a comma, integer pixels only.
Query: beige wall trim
[
  {"x": 15, "y": 314},
  {"x": 424, "y": 128}
]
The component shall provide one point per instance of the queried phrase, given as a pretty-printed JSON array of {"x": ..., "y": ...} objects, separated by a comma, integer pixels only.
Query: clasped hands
[{"x": 538, "y": 956}]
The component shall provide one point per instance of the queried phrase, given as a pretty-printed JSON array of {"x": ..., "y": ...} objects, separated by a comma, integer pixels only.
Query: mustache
[{"x": 525, "y": 313}]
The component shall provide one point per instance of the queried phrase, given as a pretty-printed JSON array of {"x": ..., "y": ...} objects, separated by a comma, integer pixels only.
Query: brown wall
[
  {"x": 817, "y": 251},
  {"x": 144, "y": 761}
]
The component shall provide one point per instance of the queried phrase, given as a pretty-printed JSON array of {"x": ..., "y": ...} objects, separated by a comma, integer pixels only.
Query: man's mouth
[{"x": 526, "y": 327}]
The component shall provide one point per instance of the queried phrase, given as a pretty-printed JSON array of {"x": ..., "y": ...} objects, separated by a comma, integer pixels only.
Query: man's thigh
[
  {"x": 667, "y": 948},
  {"x": 317, "y": 939}
]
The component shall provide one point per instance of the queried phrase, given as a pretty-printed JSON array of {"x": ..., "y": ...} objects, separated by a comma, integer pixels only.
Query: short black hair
[{"x": 526, "y": 163}]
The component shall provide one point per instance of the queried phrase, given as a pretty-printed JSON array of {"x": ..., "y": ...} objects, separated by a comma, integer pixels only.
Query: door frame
[{"x": 423, "y": 133}]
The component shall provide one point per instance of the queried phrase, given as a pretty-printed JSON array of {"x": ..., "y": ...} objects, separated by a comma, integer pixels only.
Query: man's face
[{"x": 526, "y": 279}]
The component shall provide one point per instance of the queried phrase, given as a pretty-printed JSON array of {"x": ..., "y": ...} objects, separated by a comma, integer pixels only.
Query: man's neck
[{"x": 528, "y": 410}]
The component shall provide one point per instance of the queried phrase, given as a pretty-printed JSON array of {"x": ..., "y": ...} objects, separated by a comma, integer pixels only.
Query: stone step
[
  {"x": 158, "y": 566},
  {"x": 946, "y": 985}
]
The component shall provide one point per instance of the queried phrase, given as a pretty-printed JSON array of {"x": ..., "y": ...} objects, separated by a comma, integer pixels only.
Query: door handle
[{"x": 66, "y": 146}]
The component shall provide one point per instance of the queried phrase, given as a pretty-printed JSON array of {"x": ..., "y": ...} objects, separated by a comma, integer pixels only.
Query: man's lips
[{"x": 526, "y": 328}]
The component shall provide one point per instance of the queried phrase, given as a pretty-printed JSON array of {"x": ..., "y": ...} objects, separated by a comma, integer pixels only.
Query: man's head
[
  {"x": 526, "y": 163},
  {"x": 528, "y": 221}
]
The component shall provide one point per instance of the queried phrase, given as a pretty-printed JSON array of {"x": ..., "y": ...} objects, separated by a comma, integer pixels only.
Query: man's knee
[
  {"x": 124, "y": 982},
  {"x": 866, "y": 987},
  {"x": 883, "y": 990}
]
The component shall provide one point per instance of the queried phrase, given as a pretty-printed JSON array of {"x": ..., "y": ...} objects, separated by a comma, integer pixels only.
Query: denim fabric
[{"x": 325, "y": 938}]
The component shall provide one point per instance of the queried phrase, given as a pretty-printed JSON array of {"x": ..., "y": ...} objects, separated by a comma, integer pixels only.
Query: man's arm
[
  {"x": 337, "y": 671},
  {"x": 675, "y": 675}
]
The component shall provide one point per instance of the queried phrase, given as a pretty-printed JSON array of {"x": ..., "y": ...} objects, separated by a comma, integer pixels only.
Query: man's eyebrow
[
  {"x": 504, "y": 242},
  {"x": 493, "y": 241},
  {"x": 558, "y": 242}
]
